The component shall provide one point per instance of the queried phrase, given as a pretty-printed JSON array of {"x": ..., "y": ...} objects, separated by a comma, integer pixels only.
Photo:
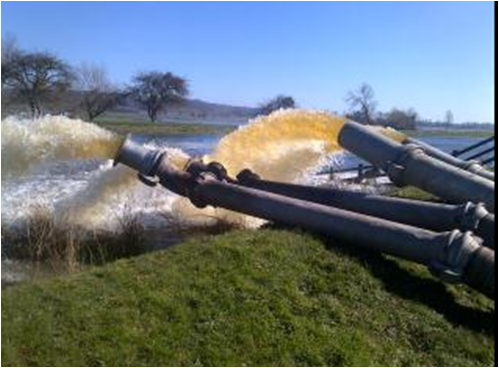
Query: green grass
[
  {"x": 268, "y": 297},
  {"x": 449, "y": 133},
  {"x": 164, "y": 129},
  {"x": 411, "y": 192}
]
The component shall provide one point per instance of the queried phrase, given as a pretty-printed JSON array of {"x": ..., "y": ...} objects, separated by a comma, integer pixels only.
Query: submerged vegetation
[{"x": 61, "y": 247}]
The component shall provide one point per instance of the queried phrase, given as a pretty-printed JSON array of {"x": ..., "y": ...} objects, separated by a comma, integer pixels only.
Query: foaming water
[
  {"x": 116, "y": 189},
  {"x": 280, "y": 146},
  {"x": 66, "y": 163},
  {"x": 29, "y": 144},
  {"x": 287, "y": 145}
]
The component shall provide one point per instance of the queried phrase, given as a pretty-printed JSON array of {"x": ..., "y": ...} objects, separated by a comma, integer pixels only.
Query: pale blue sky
[{"x": 429, "y": 56}]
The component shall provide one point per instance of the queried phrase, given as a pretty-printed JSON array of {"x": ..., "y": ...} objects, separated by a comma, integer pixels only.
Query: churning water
[
  {"x": 281, "y": 146},
  {"x": 66, "y": 164},
  {"x": 36, "y": 144}
]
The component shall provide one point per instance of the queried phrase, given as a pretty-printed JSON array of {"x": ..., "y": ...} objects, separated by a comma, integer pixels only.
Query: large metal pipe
[
  {"x": 453, "y": 256},
  {"x": 426, "y": 215},
  {"x": 409, "y": 165},
  {"x": 134, "y": 155},
  {"x": 471, "y": 166}
]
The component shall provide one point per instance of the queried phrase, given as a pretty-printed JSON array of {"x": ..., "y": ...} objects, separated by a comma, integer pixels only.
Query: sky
[{"x": 430, "y": 56}]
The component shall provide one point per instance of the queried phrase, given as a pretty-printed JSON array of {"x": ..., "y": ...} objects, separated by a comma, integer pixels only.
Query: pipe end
[{"x": 138, "y": 157}]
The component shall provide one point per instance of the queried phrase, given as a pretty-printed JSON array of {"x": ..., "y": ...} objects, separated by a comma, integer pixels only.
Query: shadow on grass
[{"x": 411, "y": 286}]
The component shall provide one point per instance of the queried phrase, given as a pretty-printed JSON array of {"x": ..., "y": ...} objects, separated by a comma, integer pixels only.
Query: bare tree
[
  {"x": 156, "y": 90},
  {"x": 278, "y": 102},
  {"x": 98, "y": 93},
  {"x": 400, "y": 119},
  {"x": 362, "y": 104},
  {"x": 33, "y": 78}
]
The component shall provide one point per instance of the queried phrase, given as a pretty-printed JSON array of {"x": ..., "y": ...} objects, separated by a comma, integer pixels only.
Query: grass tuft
[{"x": 64, "y": 247}]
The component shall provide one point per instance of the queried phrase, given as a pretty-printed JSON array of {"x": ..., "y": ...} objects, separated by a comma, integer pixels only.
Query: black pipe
[
  {"x": 473, "y": 146},
  {"x": 465, "y": 164},
  {"x": 488, "y": 160},
  {"x": 448, "y": 255},
  {"x": 426, "y": 215},
  {"x": 452, "y": 256},
  {"x": 409, "y": 165},
  {"x": 481, "y": 153}
]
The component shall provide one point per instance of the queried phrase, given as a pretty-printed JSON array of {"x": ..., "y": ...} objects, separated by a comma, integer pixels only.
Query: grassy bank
[
  {"x": 164, "y": 129},
  {"x": 269, "y": 297},
  {"x": 170, "y": 128},
  {"x": 449, "y": 133}
]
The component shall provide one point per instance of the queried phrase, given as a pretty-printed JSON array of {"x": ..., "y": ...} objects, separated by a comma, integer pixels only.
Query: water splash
[
  {"x": 115, "y": 187},
  {"x": 30, "y": 144},
  {"x": 280, "y": 146}
]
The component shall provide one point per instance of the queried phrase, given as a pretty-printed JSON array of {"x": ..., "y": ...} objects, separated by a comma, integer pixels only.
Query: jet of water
[{"x": 28, "y": 144}]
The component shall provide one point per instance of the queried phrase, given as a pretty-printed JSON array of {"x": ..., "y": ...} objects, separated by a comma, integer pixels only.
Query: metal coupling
[
  {"x": 470, "y": 215},
  {"x": 200, "y": 173},
  {"x": 246, "y": 176},
  {"x": 396, "y": 169},
  {"x": 472, "y": 166},
  {"x": 456, "y": 253}
]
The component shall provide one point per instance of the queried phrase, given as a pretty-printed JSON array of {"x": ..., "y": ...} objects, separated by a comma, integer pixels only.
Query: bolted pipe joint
[
  {"x": 475, "y": 217},
  {"x": 471, "y": 216},
  {"x": 480, "y": 272},
  {"x": 247, "y": 176},
  {"x": 455, "y": 254},
  {"x": 411, "y": 152},
  {"x": 464, "y": 259},
  {"x": 396, "y": 169}
]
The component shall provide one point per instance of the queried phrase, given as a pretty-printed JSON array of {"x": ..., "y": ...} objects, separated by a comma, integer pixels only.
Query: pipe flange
[
  {"x": 410, "y": 150},
  {"x": 396, "y": 173},
  {"x": 471, "y": 215},
  {"x": 396, "y": 169},
  {"x": 246, "y": 176},
  {"x": 457, "y": 252},
  {"x": 472, "y": 165},
  {"x": 192, "y": 192},
  {"x": 218, "y": 170},
  {"x": 196, "y": 168}
]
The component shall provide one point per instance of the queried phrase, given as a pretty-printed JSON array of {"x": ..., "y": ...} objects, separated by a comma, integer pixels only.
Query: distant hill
[
  {"x": 190, "y": 110},
  {"x": 194, "y": 110}
]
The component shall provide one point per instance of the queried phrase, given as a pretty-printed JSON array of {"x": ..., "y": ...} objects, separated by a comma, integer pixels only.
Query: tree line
[
  {"x": 363, "y": 109},
  {"x": 38, "y": 78},
  {"x": 35, "y": 79}
]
